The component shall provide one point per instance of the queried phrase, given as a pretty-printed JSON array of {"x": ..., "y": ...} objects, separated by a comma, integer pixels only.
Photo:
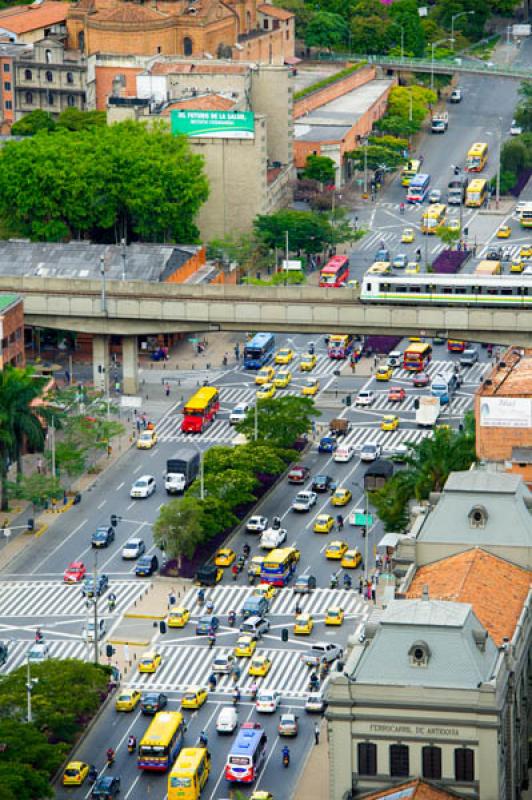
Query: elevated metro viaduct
[{"x": 130, "y": 308}]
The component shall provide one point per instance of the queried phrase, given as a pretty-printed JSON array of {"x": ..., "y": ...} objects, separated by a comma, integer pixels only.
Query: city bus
[
  {"x": 279, "y": 566},
  {"x": 456, "y": 346},
  {"x": 247, "y": 755},
  {"x": 200, "y": 410},
  {"x": 525, "y": 216},
  {"x": 189, "y": 774},
  {"x": 486, "y": 267},
  {"x": 259, "y": 350},
  {"x": 476, "y": 192},
  {"x": 335, "y": 272},
  {"x": 409, "y": 170},
  {"x": 418, "y": 188},
  {"x": 433, "y": 217},
  {"x": 340, "y": 345},
  {"x": 417, "y": 356},
  {"x": 477, "y": 157},
  {"x": 443, "y": 386},
  {"x": 456, "y": 190},
  {"x": 162, "y": 741}
]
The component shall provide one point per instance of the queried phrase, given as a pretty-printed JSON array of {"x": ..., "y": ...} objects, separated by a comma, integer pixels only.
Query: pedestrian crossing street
[
  {"x": 44, "y": 599},
  {"x": 59, "y": 648}
]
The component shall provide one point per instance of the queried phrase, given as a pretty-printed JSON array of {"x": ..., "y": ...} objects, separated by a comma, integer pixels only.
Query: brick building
[
  {"x": 28, "y": 23},
  {"x": 11, "y": 330},
  {"x": 503, "y": 413}
]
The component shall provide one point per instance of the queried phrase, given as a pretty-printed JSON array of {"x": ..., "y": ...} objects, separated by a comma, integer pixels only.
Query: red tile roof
[
  {"x": 23, "y": 19},
  {"x": 273, "y": 11},
  {"x": 129, "y": 13},
  {"x": 188, "y": 68},
  {"x": 496, "y": 589},
  {"x": 419, "y": 790},
  {"x": 212, "y": 102}
]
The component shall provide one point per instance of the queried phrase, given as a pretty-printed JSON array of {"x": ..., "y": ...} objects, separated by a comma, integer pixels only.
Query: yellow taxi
[
  {"x": 178, "y": 617},
  {"x": 335, "y": 616},
  {"x": 245, "y": 646},
  {"x": 260, "y": 666},
  {"x": 260, "y": 795},
  {"x": 311, "y": 387},
  {"x": 150, "y": 662},
  {"x": 454, "y": 225},
  {"x": 390, "y": 422},
  {"x": 408, "y": 236},
  {"x": 266, "y": 391},
  {"x": 412, "y": 268},
  {"x": 75, "y": 773},
  {"x": 351, "y": 559},
  {"x": 526, "y": 251},
  {"x": 127, "y": 700},
  {"x": 303, "y": 624},
  {"x": 516, "y": 266},
  {"x": 147, "y": 439},
  {"x": 504, "y": 232},
  {"x": 264, "y": 375},
  {"x": 308, "y": 362},
  {"x": 384, "y": 373},
  {"x": 324, "y": 523},
  {"x": 264, "y": 590},
  {"x": 380, "y": 268},
  {"x": 194, "y": 697},
  {"x": 282, "y": 379},
  {"x": 255, "y": 565},
  {"x": 336, "y": 550},
  {"x": 415, "y": 339},
  {"x": 224, "y": 557},
  {"x": 341, "y": 496},
  {"x": 284, "y": 356}
]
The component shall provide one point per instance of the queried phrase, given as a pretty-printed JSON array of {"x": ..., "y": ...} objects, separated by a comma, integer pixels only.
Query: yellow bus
[
  {"x": 189, "y": 774},
  {"x": 279, "y": 566},
  {"x": 433, "y": 217},
  {"x": 477, "y": 157},
  {"x": 408, "y": 172},
  {"x": 488, "y": 268},
  {"x": 162, "y": 741},
  {"x": 476, "y": 192},
  {"x": 200, "y": 410}
]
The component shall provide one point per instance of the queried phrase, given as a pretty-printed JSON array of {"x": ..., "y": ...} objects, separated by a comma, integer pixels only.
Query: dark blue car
[
  {"x": 103, "y": 536},
  {"x": 106, "y": 787},
  {"x": 206, "y": 623},
  {"x": 89, "y": 589},
  {"x": 146, "y": 566}
]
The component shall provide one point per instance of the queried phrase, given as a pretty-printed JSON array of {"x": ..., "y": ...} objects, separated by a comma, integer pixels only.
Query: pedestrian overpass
[{"x": 448, "y": 66}]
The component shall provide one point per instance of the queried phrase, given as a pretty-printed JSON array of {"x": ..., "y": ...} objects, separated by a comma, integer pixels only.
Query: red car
[
  {"x": 298, "y": 474},
  {"x": 75, "y": 572},
  {"x": 421, "y": 379},
  {"x": 396, "y": 394}
]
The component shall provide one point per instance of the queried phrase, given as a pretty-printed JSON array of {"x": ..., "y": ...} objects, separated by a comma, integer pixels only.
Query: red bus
[
  {"x": 335, "y": 272},
  {"x": 455, "y": 346},
  {"x": 417, "y": 356},
  {"x": 200, "y": 410}
]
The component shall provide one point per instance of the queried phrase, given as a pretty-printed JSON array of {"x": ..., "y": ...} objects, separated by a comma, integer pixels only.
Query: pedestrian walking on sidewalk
[
  {"x": 316, "y": 733},
  {"x": 360, "y": 585},
  {"x": 374, "y": 593},
  {"x": 39, "y": 465},
  {"x": 167, "y": 389}
]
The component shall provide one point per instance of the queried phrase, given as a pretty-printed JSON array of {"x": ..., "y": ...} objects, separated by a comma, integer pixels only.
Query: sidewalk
[{"x": 314, "y": 781}]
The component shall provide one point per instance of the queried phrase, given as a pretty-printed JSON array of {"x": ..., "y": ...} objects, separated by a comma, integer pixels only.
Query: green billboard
[{"x": 214, "y": 124}]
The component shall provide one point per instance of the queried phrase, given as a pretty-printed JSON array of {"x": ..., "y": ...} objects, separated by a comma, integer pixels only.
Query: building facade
[
  {"x": 28, "y": 24},
  {"x": 11, "y": 331}
]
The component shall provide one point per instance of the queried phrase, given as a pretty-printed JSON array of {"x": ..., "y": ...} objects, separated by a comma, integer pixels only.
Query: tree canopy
[
  {"x": 326, "y": 30},
  {"x": 280, "y": 421},
  {"x": 319, "y": 168},
  {"x": 308, "y": 231},
  {"x": 103, "y": 182},
  {"x": 70, "y": 119}
]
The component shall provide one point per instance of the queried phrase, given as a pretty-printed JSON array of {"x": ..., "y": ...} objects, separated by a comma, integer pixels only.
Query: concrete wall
[
  {"x": 12, "y": 327},
  {"x": 272, "y": 96},
  {"x": 334, "y": 90},
  {"x": 191, "y": 266}
]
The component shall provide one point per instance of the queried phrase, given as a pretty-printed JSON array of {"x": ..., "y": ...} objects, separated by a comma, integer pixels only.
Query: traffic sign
[{"x": 193, "y": 341}]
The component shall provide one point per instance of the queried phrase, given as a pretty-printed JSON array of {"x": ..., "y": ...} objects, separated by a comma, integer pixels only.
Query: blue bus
[
  {"x": 259, "y": 350},
  {"x": 418, "y": 188},
  {"x": 247, "y": 755},
  {"x": 444, "y": 386}
]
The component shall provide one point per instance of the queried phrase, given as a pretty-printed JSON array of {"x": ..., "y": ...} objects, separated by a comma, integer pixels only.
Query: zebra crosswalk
[
  {"x": 472, "y": 374},
  {"x": 17, "y": 650},
  {"x": 44, "y": 599},
  {"x": 460, "y": 404},
  {"x": 512, "y": 249}
]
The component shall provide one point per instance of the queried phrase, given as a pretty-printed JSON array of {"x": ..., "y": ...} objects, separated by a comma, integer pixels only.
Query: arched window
[
  {"x": 49, "y": 75},
  {"x": 81, "y": 41},
  {"x": 28, "y": 97},
  {"x": 70, "y": 77},
  {"x": 48, "y": 56},
  {"x": 187, "y": 46},
  {"x": 431, "y": 757},
  {"x": 464, "y": 764},
  {"x": 71, "y": 100},
  {"x": 28, "y": 75}
]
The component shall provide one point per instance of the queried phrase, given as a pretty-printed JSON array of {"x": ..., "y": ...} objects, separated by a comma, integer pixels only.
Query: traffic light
[
  {"x": 162, "y": 626},
  {"x": 284, "y": 634},
  {"x": 31, "y": 525},
  {"x": 348, "y": 400},
  {"x": 109, "y": 650},
  {"x": 114, "y": 520},
  {"x": 466, "y": 231}
]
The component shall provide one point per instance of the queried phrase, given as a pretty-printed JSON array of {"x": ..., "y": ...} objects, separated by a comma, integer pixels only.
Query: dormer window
[
  {"x": 419, "y": 654},
  {"x": 478, "y": 516}
]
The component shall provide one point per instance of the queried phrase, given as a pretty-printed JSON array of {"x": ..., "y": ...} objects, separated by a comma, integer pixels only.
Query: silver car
[{"x": 435, "y": 196}]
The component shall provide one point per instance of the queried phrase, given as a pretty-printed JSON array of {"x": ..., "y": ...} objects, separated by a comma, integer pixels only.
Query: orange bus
[
  {"x": 200, "y": 410},
  {"x": 417, "y": 356}
]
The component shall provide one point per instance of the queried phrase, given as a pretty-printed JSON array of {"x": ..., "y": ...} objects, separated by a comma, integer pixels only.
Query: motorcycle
[
  {"x": 236, "y": 697},
  {"x": 286, "y": 757},
  {"x": 212, "y": 683},
  {"x": 333, "y": 582},
  {"x": 110, "y": 757},
  {"x": 231, "y": 618},
  {"x": 253, "y": 691},
  {"x": 314, "y": 683},
  {"x": 131, "y": 745},
  {"x": 93, "y": 775},
  {"x": 347, "y": 582}
]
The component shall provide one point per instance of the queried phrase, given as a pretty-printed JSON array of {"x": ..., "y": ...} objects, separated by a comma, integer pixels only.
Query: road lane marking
[
  {"x": 59, "y": 546},
  {"x": 119, "y": 486},
  {"x": 102, "y": 504}
]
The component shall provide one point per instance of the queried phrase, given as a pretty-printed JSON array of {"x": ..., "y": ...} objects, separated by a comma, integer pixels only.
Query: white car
[
  {"x": 227, "y": 720},
  {"x": 238, "y": 413},
  {"x": 90, "y": 628},
  {"x": 272, "y": 538},
  {"x": 435, "y": 196},
  {"x": 38, "y": 652},
  {"x": 268, "y": 702},
  {"x": 315, "y": 702},
  {"x": 304, "y": 501},
  {"x": 223, "y": 663},
  {"x": 143, "y": 486},
  {"x": 370, "y": 452},
  {"x": 133, "y": 548},
  {"x": 257, "y": 524},
  {"x": 515, "y": 129},
  {"x": 365, "y": 398},
  {"x": 344, "y": 452}
]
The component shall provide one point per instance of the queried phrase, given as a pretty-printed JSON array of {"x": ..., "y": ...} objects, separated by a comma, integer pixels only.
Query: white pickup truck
[
  {"x": 427, "y": 412},
  {"x": 272, "y": 538},
  {"x": 440, "y": 122}
]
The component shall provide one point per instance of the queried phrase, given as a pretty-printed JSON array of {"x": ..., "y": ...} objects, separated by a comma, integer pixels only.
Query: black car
[
  {"x": 103, "y": 536},
  {"x": 323, "y": 483},
  {"x": 89, "y": 589},
  {"x": 146, "y": 566},
  {"x": 152, "y": 702},
  {"x": 107, "y": 786}
]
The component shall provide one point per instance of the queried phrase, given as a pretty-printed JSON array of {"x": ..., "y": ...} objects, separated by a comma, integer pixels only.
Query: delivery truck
[
  {"x": 427, "y": 411},
  {"x": 440, "y": 122},
  {"x": 181, "y": 470}
]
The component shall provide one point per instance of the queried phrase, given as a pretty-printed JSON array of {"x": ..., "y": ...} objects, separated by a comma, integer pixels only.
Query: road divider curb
[
  {"x": 144, "y": 616},
  {"x": 130, "y": 642},
  {"x": 41, "y": 531}
]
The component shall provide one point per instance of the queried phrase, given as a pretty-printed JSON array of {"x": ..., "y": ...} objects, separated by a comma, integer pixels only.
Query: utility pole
[
  {"x": 256, "y": 423},
  {"x": 52, "y": 444},
  {"x": 123, "y": 254},
  {"x": 103, "y": 295},
  {"x": 286, "y": 248},
  {"x": 366, "y": 534},
  {"x": 498, "y": 179},
  {"x": 366, "y": 168},
  {"x": 95, "y": 609},
  {"x": 202, "y": 476},
  {"x": 29, "y": 688}
]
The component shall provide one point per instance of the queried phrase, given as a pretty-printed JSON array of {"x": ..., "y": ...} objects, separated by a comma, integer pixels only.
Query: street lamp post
[
  {"x": 365, "y": 167},
  {"x": 29, "y": 688},
  {"x": 102, "y": 275},
  {"x": 366, "y": 528},
  {"x": 402, "y": 42},
  {"x": 455, "y": 16}
]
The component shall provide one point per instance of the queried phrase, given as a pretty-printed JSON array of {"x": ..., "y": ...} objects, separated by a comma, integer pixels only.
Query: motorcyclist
[
  {"x": 347, "y": 581},
  {"x": 110, "y": 755},
  {"x": 314, "y": 680},
  {"x": 201, "y": 596},
  {"x": 253, "y": 689},
  {"x": 38, "y": 635},
  {"x": 324, "y": 669},
  {"x": 131, "y": 742},
  {"x": 246, "y": 550},
  {"x": 340, "y": 522},
  {"x": 334, "y": 581},
  {"x": 286, "y": 755},
  {"x": 211, "y": 636},
  {"x": 111, "y": 602},
  {"x": 93, "y": 774},
  {"x": 276, "y": 523},
  {"x": 209, "y": 606},
  {"x": 231, "y": 617},
  {"x": 212, "y": 681},
  {"x": 236, "y": 695},
  {"x": 203, "y": 739}
]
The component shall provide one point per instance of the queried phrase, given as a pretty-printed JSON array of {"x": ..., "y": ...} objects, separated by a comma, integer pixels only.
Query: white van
[
  {"x": 395, "y": 358},
  {"x": 227, "y": 720},
  {"x": 344, "y": 452}
]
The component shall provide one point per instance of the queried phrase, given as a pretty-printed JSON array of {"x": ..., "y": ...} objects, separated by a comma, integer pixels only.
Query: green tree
[
  {"x": 397, "y": 125},
  {"x": 32, "y": 123},
  {"x": 253, "y": 457},
  {"x": 37, "y": 489},
  {"x": 391, "y": 142},
  {"x": 404, "y": 15},
  {"x": 319, "y": 168},
  {"x": 280, "y": 420},
  {"x": 234, "y": 487},
  {"x": 516, "y": 155},
  {"x": 447, "y": 235},
  {"x": 74, "y": 120},
  {"x": 307, "y": 231},
  {"x": 70, "y": 458},
  {"x": 178, "y": 528},
  {"x": 372, "y": 35},
  {"x": 376, "y": 156},
  {"x": 472, "y": 25},
  {"x": 303, "y": 14},
  {"x": 523, "y": 112},
  {"x": 244, "y": 249},
  {"x": 108, "y": 182},
  {"x": 326, "y": 31}
]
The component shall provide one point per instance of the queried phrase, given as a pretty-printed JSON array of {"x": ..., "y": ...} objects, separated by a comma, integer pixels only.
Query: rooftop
[
  {"x": 194, "y": 68},
  {"x": 209, "y": 102},
  {"x": 128, "y": 13},
  {"x": 7, "y": 300},
  {"x": 273, "y": 11},
  {"x": 511, "y": 376},
  {"x": 495, "y": 589},
  {"x": 413, "y": 790},
  {"x": 429, "y": 643},
  {"x": 23, "y": 19}
]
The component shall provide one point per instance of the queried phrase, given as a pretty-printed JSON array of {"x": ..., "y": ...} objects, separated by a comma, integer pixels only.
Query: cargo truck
[
  {"x": 181, "y": 470},
  {"x": 427, "y": 411}
]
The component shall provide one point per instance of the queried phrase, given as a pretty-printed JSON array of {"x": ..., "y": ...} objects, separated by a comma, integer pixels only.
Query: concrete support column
[
  {"x": 130, "y": 365},
  {"x": 100, "y": 361}
]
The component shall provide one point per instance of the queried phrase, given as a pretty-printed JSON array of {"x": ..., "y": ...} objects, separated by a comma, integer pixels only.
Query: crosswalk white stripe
[
  {"x": 60, "y": 649},
  {"x": 48, "y": 599}
]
